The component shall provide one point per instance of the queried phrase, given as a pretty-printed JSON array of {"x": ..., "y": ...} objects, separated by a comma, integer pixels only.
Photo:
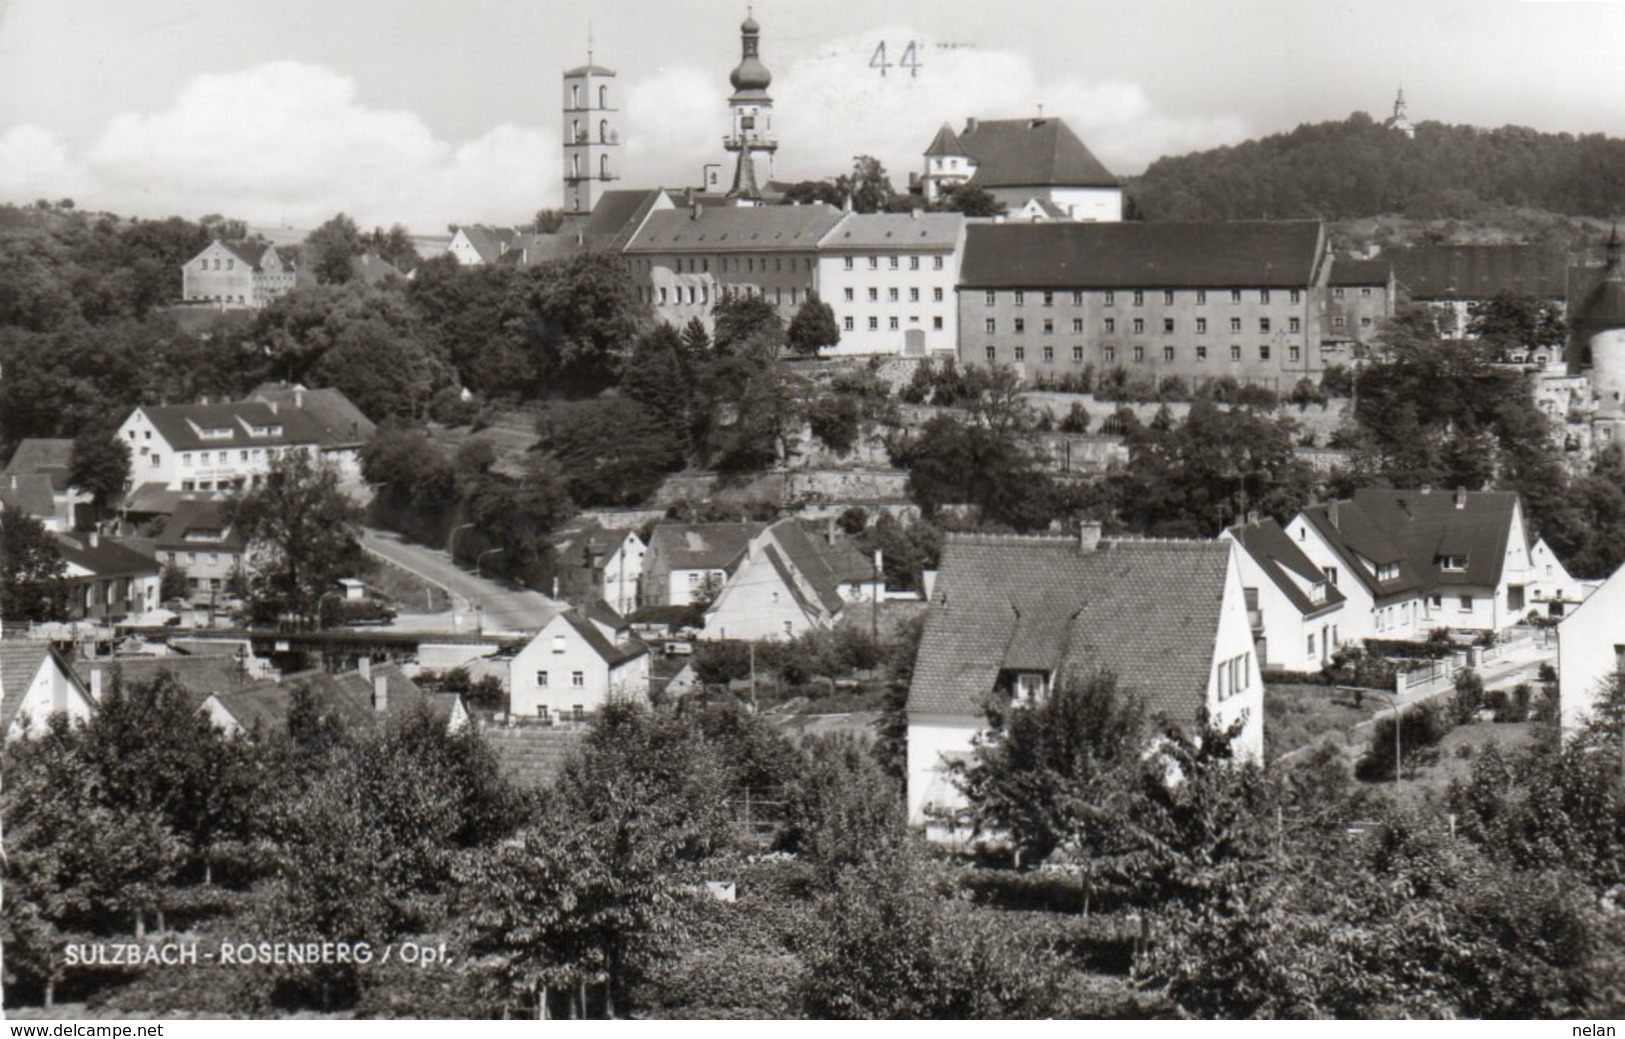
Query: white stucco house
[
  {"x": 35, "y": 683},
  {"x": 1590, "y": 651},
  {"x": 1297, "y": 614},
  {"x": 790, "y": 581},
  {"x": 570, "y": 669}
]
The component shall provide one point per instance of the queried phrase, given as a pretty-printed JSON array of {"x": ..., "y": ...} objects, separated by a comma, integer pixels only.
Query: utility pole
[{"x": 753, "y": 707}]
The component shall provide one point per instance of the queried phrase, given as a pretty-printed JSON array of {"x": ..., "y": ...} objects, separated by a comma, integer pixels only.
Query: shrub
[
  {"x": 1421, "y": 726},
  {"x": 1469, "y": 698}
]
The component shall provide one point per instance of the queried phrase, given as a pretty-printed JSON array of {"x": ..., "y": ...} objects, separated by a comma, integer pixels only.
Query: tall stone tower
[
  {"x": 1599, "y": 327},
  {"x": 752, "y": 112},
  {"x": 592, "y": 135}
]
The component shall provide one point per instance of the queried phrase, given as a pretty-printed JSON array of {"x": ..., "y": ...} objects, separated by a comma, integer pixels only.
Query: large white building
[
  {"x": 213, "y": 447},
  {"x": 889, "y": 277}
]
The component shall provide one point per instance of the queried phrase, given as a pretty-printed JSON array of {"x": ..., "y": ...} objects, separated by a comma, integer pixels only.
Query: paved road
[{"x": 479, "y": 602}]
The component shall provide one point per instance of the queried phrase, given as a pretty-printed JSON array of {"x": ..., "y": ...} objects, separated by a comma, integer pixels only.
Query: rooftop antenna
[{"x": 589, "y": 41}]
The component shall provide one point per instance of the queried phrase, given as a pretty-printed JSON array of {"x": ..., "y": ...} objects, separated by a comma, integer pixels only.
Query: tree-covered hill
[{"x": 1358, "y": 167}]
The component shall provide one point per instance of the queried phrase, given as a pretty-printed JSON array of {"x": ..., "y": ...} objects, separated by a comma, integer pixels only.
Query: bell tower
[
  {"x": 752, "y": 113},
  {"x": 592, "y": 136}
]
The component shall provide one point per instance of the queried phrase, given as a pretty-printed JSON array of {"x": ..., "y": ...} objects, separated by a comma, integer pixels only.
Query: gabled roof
[
  {"x": 945, "y": 144},
  {"x": 250, "y": 253},
  {"x": 179, "y": 424},
  {"x": 1354, "y": 536},
  {"x": 489, "y": 242},
  {"x": 608, "y": 651},
  {"x": 1429, "y": 525},
  {"x": 1360, "y": 272},
  {"x": 20, "y": 662},
  {"x": 199, "y": 676},
  {"x": 895, "y": 231},
  {"x": 52, "y": 456},
  {"x": 152, "y": 499},
  {"x": 723, "y": 229},
  {"x": 1279, "y": 557},
  {"x": 327, "y": 412},
  {"x": 347, "y": 698},
  {"x": 30, "y": 492},
  {"x": 619, "y": 211},
  {"x": 371, "y": 269},
  {"x": 1238, "y": 254},
  {"x": 825, "y": 564},
  {"x": 1147, "y": 611},
  {"x": 703, "y": 546},
  {"x": 528, "y": 250},
  {"x": 1471, "y": 272},
  {"x": 206, "y": 521},
  {"x": 107, "y": 558},
  {"x": 1031, "y": 153}
]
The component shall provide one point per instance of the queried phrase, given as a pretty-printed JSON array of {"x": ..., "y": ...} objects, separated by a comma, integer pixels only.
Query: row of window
[
  {"x": 203, "y": 264},
  {"x": 1109, "y": 353},
  {"x": 1235, "y": 675},
  {"x": 690, "y": 294},
  {"x": 702, "y": 265},
  {"x": 848, "y": 295},
  {"x": 1169, "y": 326},
  {"x": 1109, "y": 297},
  {"x": 892, "y": 262},
  {"x": 849, "y": 324},
  {"x": 191, "y": 558},
  {"x": 578, "y": 679},
  {"x": 223, "y": 457}
]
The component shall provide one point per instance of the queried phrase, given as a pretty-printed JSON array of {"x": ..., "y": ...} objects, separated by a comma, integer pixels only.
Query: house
[
  {"x": 1381, "y": 589},
  {"x": 569, "y": 670},
  {"x": 889, "y": 278},
  {"x": 475, "y": 244},
  {"x": 30, "y": 494},
  {"x": 1360, "y": 298},
  {"x": 600, "y": 563},
  {"x": 1590, "y": 651},
  {"x": 35, "y": 683},
  {"x": 341, "y": 428},
  {"x": 791, "y": 581},
  {"x": 213, "y": 447},
  {"x": 1296, "y": 612},
  {"x": 1242, "y": 299},
  {"x": 689, "y": 562},
  {"x": 1449, "y": 279},
  {"x": 199, "y": 676},
  {"x": 52, "y": 502},
  {"x": 1011, "y": 617},
  {"x": 108, "y": 580},
  {"x": 685, "y": 261},
  {"x": 1553, "y": 590},
  {"x": 236, "y": 275},
  {"x": 355, "y": 700},
  {"x": 198, "y": 538},
  {"x": 1020, "y": 161}
]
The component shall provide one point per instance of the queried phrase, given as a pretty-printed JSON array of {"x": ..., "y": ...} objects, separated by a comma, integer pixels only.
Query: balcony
[{"x": 755, "y": 140}]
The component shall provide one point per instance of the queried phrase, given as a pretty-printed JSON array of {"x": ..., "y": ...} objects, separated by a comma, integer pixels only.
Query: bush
[
  {"x": 1076, "y": 420},
  {"x": 1469, "y": 698},
  {"x": 1421, "y": 726},
  {"x": 1337, "y": 381}
]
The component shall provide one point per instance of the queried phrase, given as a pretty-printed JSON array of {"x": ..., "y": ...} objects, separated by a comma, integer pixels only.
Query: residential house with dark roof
[
  {"x": 790, "y": 581},
  {"x": 213, "y": 447},
  {"x": 341, "y": 428},
  {"x": 475, "y": 244},
  {"x": 1591, "y": 653},
  {"x": 53, "y": 501},
  {"x": 570, "y": 669},
  {"x": 1019, "y": 161},
  {"x": 198, "y": 538},
  {"x": 35, "y": 683},
  {"x": 1451, "y": 278},
  {"x": 108, "y": 581},
  {"x": 889, "y": 278},
  {"x": 1296, "y": 612},
  {"x": 1359, "y": 298},
  {"x": 30, "y": 494},
  {"x": 598, "y": 563},
  {"x": 686, "y": 260},
  {"x": 690, "y": 561},
  {"x": 1382, "y": 590},
  {"x": 236, "y": 275},
  {"x": 1197, "y": 300},
  {"x": 1010, "y": 618},
  {"x": 366, "y": 698}
]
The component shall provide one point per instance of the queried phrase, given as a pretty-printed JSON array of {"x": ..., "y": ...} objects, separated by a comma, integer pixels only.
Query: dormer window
[
  {"x": 215, "y": 433},
  {"x": 1451, "y": 564},
  {"x": 1387, "y": 571},
  {"x": 1317, "y": 594},
  {"x": 1029, "y": 686}
]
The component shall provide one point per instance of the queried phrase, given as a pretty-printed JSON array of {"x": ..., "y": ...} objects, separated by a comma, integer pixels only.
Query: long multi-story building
[
  {"x": 890, "y": 277},
  {"x": 1199, "y": 301}
]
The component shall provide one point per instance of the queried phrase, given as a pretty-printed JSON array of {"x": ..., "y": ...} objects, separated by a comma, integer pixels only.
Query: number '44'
[{"x": 910, "y": 59}]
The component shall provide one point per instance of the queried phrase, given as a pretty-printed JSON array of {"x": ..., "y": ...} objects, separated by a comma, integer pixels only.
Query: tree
[
  {"x": 35, "y": 586},
  {"x": 330, "y": 248},
  {"x": 843, "y": 810},
  {"x": 547, "y": 221},
  {"x": 395, "y": 247},
  {"x": 867, "y": 186},
  {"x": 301, "y": 535},
  {"x": 835, "y": 419},
  {"x": 576, "y": 319},
  {"x": 660, "y": 377},
  {"x": 747, "y": 326},
  {"x": 173, "y": 583},
  {"x": 806, "y": 192},
  {"x": 385, "y": 371},
  {"x": 610, "y": 450},
  {"x": 971, "y": 200},
  {"x": 813, "y": 328}
]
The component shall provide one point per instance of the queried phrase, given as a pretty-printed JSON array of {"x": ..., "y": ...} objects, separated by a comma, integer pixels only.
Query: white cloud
[
  {"x": 835, "y": 105},
  {"x": 290, "y": 141},
  {"x": 34, "y": 164}
]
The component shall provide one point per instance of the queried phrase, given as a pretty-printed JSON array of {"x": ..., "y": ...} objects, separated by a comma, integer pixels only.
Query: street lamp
[
  {"x": 451, "y": 542},
  {"x": 1398, "y": 706},
  {"x": 480, "y": 560}
]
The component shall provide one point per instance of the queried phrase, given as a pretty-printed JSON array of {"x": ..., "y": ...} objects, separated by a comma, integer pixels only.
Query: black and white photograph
[{"x": 790, "y": 511}]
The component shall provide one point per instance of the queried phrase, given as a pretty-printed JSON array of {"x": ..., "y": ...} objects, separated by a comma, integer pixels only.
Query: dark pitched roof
[
  {"x": 347, "y": 698},
  {"x": 945, "y": 143},
  {"x": 532, "y": 756},
  {"x": 335, "y": 419},
  {"x": 1354, "y": 536},
  {"x": 1429, "y": 525},
  {"x": 611, "y": 654},
  {"x": 198, "y": 675},
  {"x": 703, "y": 546},
  {"x": 371, "y": 269},
  {"x": 825, "y": 564},
  {"x": 198, "y": 524},
  {"x": 895, "y": 231},
  {"x": 30, "y": 492},
  {"x": 1147, "y": 611},
  {"x": 529, "y": 250},
  {"x": 1360, "y": 272},
  {"x": 179, "y": 425},
  {"x": 151, "y": 499},
  {"x": 1280, "y": 557},
  {"x": 20, "y": 661},
  {"x": 107, "y": 558},
  {"x": 250, "y": 253},
  {"x": 51, "y": 456},
  {"x": 723, "y": 229},
  {"x": 489, "y": 242},
  {"x": 1471, "y": 272},
  {"x": 616, "y": 209},
  {"x": 1031, "y": 153},
  {"x": 1240, "y": 254},
  {"x": 1603, "y": 304}
]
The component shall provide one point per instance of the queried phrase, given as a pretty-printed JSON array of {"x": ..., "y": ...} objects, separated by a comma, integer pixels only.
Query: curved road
[{"x": 504, "y": 609}]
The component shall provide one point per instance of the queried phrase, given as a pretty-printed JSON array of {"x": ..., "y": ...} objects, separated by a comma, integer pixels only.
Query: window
[
  {"x": 1467, "y": 604},
  {"x": 1294, "y": 324},
  {"x": 936, "y": 263},
  {"x": 893, "y": 263},
  {"x": 1453, "y": 563},
  {"x": 1049, "y": 326},
  {"x": 1365, "y": 322},
  {"x": 1020, "y": 298},
  {"x": 874, "y": 295},
  {"x": 1297, "y": 296},
  {"x": 1235, "y": 324},
  {"x": 1049, "y": 355},
  {"x": 936, "y": 324},
  {"x": 1077, "y": 354},
  {"x": 1201, "y": 297},
  {"x": 1167, "y": 326},
  {"x": 1337, "y": 293},
  {"x": 1021, "y": 325},
  {"x": 578, "y": 679},
  {"x": 1365, "y": 292},
  {"x": 891, "y": 323},
  {"x": 1388, "y": 572},
  {"x": 1077, "y": 299},
  {"x": 1139, "y": 353},
  {"x": 1294, "y": 353},
  {"x": 1235, "y": 353},
  {"x": 1021, "y": 353},
  {"x": 992, "y": 354},
  {"x": 913, "y": 295},
  {"x": 1263, "y": 353},
  {"x": 1110, "y": 299},
  {"x": 541, "y": 679},
  {"x": 1264, "y": 326},
  {"x": 1077, "y": 324},
  {"x": 1049, "y": 298},
  {"x": 1337, "y": 322},
  {"x": 874, "y": 324},
  {"x": 1311, "y": 645},
  {"x": 936, "y": 294},
  {"x": 561, "y": 644},
  {"x": 1139, "y": 297},
  {"x": 874, "y": 263},
  {"x": 913, "y": 263},
  {"x": 891, "y": 295},
  {"x": 847, "y": 262},
  {"x": 846, "y": 324},
  {"x": 1263, "y": 295},
  {"x": 1201, "y": 326},
  {"x": 990, "y": 326},
  {"x": 662, "y": 295},
  {"x": 1331, "y": 571},
  {"x": 991, "y": 297},
  {"x": 1111, "y": 324},
  {"x": 1201, "y": 353},
  {"x": 1139, "y": 325},
  {"x": 1167, "y": 297},
  {"x": 1108, "y": 353},
  {"x": 847, "y": 295}
]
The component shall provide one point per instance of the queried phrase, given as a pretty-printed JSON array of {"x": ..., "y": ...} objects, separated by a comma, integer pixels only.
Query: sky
[{"x": 435, "y": 112}]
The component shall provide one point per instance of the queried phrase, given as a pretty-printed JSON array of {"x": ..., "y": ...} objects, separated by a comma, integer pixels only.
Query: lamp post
[
  {"x": 451, "y": 542},
  {"x": 479, "y": 561},
  {"x": 1398, "y": 707}
]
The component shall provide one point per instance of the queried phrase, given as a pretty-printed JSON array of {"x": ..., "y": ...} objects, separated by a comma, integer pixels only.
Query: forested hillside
[{"x": 1358, "y": 167}]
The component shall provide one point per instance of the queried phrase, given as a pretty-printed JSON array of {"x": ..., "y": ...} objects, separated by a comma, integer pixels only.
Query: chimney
[
  {"x": 970, "y": 125},
  {"x": 1461, "y": 497},
  {"x": 699, "y": 207},
  {"x": 829, "y": 529},
  {"x": 380, "y": 693},
  {"x": 364, "y": 668},
  {"x": 94, "y": 538},
  {"x": 928, "y": 579},
  {"x": 96, "y": 685},
  {"x": 272, "y": 405},
  {"x": 1089, "y": 536},
  {"x": 1331, "y": 515},
  {"x": 1251, "y": 518},
  {"x": 299, "y": 397}
]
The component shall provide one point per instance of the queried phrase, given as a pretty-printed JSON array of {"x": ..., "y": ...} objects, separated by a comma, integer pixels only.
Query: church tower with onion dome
[{"x": 752, "y": 112}]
